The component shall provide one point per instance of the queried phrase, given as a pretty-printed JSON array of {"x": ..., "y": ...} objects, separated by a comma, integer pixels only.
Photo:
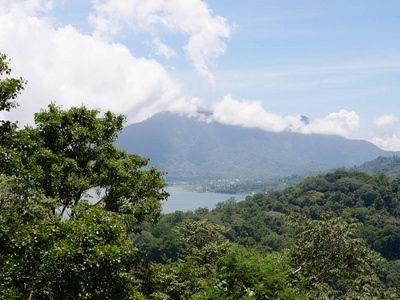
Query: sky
[{"x": 326, "y": 67}]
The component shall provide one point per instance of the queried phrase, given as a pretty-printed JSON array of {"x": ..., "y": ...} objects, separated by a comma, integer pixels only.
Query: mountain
[
  {"x": 189, "y": 149},
  {"x": 388, "y": 165}
]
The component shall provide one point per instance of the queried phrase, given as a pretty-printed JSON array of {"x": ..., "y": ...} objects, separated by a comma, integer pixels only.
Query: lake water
[{"x": 180, "y": 199}]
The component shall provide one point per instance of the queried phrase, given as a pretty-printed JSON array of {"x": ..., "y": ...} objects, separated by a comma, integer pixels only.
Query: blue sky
[{"x": 329, "y": 67}]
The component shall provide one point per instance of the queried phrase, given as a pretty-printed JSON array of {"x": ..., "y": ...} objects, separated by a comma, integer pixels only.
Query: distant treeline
[
  {"x": 248, "y": 186},
  {"x": 388, "y": 165}
]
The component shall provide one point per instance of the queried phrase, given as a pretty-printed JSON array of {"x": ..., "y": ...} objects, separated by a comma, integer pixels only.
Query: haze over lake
[{"x": 180, "y": 199}]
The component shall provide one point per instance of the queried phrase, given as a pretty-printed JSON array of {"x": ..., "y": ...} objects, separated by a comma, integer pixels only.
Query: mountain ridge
[{"x": 190, "y": 149}]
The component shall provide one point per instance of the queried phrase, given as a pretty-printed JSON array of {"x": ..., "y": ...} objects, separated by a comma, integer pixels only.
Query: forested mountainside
[
  {"x": 189, "y": 149},
  {"x": 258, "y": 222},
  {"x": 388, "y": 165}
]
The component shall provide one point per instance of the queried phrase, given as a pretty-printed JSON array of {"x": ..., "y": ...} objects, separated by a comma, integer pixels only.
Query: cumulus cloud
[
  {"x": 71, "y": 68},
  {"x": 163, "y": 49},
  {"x": 190, "y": 17},
  {"x": 342, "y": 123},
  {"x": 27, "y": 7},
  {"x": 391, "y": 143},
  {"x": 385, "y": 120},
  {"x": 249, "y": 114},
  {"x": 252, "y": 114}
]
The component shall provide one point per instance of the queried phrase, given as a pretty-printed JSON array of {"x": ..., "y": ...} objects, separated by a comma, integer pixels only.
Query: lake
[{"x": 180, "y": 199}]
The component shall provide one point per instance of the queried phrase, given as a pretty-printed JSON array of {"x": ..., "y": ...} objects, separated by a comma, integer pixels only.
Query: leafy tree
[
  {"x": 159, "y": 242},
  {"x": 389, "y": 238},
  {"x": 205, "y": 244},
  {"x": 318, "y": 184},
  {"x": 53, "y": 243},
  {"x": 72, "y": 151},
  {"x": 245, "y": 274},
  {"x": 391, "y": 274},
  {"x": 86, "y": 257},
  {"x": 204, "y": 241},
  {"x": 330, "y": 262},
  {"x": 9, "y": 87}
]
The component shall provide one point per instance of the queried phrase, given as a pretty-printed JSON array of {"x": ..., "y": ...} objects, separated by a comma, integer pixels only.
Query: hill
[
  {"x": 189, "y": 149},
  {"x": 388, "y": 165},
  {"x": 258, "y": 222}
]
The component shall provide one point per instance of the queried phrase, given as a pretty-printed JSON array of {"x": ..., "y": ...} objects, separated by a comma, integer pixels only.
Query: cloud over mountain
[
  {"x": 95, "y": 67},
  {"x": 251, "y": 114}
]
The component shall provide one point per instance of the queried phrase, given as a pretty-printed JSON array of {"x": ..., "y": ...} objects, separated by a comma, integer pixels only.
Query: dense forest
[
  {"x": 332, "y": 236},
  {"x": 388, "y": 165},
  {"x": 260, "y": 222}
]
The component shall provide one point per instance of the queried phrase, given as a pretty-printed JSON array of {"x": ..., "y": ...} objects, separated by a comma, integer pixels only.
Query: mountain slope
[
  {"x": 189, "y": 149},
  {"x": 388, "y": 165}
]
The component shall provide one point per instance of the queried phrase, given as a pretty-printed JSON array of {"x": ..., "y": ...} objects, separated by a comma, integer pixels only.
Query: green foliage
[
  {"x": 257, "y": 221},
  {"x": 319, "y": 184},
  {"x": 330, "y": 262},
  {"x": 9, "y": 87},
  {"x": 9, "y": 90},
  {"x": 160, "y": 242},
  {"x": 390, "y": 274},
  {"x": 175, "y": 280},
  {"x": 388, "y": 165},
  {"x": 54, "y": 243},
  {"x": 374, "y": 200},
  {"x": 72, "y": 151},
  {"x": 88, "y": 256},
  {"x": 204, "y": 241},
  {"x": 245, "y": 274},
  {"x": 182, "y": 279}
]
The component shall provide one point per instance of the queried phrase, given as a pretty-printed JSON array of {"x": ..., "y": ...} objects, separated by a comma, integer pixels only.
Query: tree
[
  {"x": 182, "y": 279},
  {"x": 9, "y": 87},
  {"x": 246, "y": 274},
  {"x": 86, "y": 257},
  {"x": 53, "y": 243},
  {"x": 205, "y": 242},
  {"x": 330, "y": 262},
  {"x": 70, "y": 152},
  {"x": 9, "y": 90}
]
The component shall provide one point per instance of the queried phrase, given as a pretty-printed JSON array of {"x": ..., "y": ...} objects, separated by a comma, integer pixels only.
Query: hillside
[
  {"x": 189, "y": 149},
  {"x": 388, "y": 165},
  {"x": 258, "y": 222}
]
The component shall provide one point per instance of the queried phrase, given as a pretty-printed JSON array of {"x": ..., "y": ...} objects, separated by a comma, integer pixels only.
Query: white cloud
[
  {"x": 194, "y": 107},
  {"x": 391, "y": 143},
  {"x": 386, "y": 120},
  {"x": 190, "y": 17},
  {"x": 163, "y": 49},
  {"x": 342, "y": 123},
  {"x": 252, "y": 114},
  {"x": 71, "y": 68},
  {"x": 247, "y": 114},
  {"x": 27, "y": 7}
]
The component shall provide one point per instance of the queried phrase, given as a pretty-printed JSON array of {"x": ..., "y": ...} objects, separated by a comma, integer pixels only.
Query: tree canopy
[{"x": 57, "y": 241}]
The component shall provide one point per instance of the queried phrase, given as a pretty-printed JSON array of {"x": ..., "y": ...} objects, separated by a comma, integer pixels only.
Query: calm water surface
[{"x": 180, "y": 199}]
